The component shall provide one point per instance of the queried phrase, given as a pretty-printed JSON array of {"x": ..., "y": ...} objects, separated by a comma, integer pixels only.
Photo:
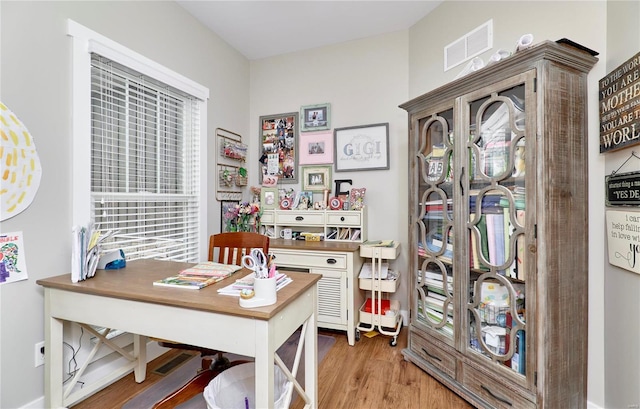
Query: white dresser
[
  {"x": 333, "y": 225},
  {"x": 339, "y": 263}
]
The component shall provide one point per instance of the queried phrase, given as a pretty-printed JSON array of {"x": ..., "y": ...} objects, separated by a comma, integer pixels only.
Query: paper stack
[
  {"x": 85, "y": 251},
  {"x": 247, "y": 283}
]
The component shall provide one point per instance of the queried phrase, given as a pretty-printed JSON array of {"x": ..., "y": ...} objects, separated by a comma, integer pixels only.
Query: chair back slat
[{"x": 231, "y": 246}]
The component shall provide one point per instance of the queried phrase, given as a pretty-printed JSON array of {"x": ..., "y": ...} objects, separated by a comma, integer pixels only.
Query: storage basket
[
  {"x": 241, "y": 180},
  {"x": 226, "y": 179}
]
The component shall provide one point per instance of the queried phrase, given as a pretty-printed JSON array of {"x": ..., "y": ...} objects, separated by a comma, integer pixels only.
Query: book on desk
[
  {"x": 187, "y": 282},
  {"x": 199, "y": 276}
]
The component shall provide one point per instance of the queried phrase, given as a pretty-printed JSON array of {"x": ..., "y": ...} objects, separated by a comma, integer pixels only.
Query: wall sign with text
[
  {"x": 623, "y": 237},
  {"x": 619, "y": 95},
  {"x": 623, "y": 189}
]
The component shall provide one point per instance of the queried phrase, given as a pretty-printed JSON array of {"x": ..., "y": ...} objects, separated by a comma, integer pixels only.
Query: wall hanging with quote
[
  {"x": 619, "y": 96},
  {"x": 623, "y": 237}
]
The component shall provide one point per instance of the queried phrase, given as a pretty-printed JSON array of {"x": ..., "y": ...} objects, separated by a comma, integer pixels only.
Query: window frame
[{"x": 85, "y": 42}]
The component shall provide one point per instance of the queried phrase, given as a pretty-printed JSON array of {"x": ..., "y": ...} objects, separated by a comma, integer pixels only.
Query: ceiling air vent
[{"x": 468, "y": 46}]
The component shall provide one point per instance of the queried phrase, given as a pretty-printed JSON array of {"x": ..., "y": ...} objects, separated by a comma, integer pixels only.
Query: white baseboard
[{"x": 103, "y": 366}]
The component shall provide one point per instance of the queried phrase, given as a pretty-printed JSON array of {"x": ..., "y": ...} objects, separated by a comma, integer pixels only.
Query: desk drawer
[
  {"x": 344, "y": 218},
  {"x": 268, "y": 217},
  {"x": 310, "y": 260},
  {"x": 300, "y": 218}
]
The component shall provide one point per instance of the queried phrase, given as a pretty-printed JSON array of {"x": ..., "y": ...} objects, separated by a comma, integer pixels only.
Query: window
[{"x": 139, "y": 173}]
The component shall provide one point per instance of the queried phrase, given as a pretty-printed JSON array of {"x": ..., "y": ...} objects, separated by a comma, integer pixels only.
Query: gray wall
[{"x": 35, "y": 83}]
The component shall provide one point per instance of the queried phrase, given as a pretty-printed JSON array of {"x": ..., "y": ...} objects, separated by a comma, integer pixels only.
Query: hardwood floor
[{"x": 371, "y": 374}]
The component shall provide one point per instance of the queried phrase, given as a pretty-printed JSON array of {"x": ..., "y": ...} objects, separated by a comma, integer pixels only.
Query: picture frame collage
[{"x": 313, "y": 155}]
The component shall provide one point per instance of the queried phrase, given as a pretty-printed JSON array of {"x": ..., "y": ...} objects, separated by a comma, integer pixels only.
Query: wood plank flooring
[{"x": 371, "y": 374}]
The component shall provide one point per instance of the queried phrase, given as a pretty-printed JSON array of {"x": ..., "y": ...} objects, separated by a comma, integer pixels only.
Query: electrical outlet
[{"x": 39, "y": 354}]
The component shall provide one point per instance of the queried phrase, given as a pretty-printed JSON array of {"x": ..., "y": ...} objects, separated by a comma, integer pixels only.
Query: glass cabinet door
[
  {"x": 495, "y": 292},
  {"x": 432, "y": 225}
]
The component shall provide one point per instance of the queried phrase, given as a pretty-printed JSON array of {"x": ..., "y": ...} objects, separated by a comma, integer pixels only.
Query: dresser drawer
[
  {"x": 344, "y": 218},
  {"x": 299, "y": 218},
  {"x": 308, "y": 259},
  {"x": 267, "y": 217},
  {"x": 503, "y": 395},
  {"x": 435, "y": 355}
]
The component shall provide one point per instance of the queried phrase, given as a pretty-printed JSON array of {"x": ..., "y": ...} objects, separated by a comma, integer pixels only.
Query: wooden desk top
[
  {"x": 135, "y": 282},
  {"x": 346, "y": 246}
]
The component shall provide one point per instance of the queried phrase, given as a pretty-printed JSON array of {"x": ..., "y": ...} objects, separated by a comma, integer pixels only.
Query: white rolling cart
[{"x": 378, "y": 311}]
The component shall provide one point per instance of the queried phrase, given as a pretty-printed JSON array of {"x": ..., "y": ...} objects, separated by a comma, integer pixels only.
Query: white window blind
[{"x": 145, "y": 162}]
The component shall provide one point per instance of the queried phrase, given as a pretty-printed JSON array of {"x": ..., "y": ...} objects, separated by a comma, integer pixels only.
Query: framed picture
[
  {"x": 315, "y": 117},
  {"x": 303, "y": 201},
  {"x": 316, "y": 148},
  {"x": 316, "y": 178},
  {"x": 227, "y": 214},
  {"x": 363, "y": 147},
  {"x": 278, "y": 147},
  {"x": 269, "y": 198}
]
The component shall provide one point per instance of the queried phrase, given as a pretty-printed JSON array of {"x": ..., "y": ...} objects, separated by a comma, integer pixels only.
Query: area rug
[{"x": 179, "y": 376}]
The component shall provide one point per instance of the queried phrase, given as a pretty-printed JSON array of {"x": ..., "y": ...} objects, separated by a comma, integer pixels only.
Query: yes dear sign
[
  {"x": 623, "y": 236},
  {"x": 620, "y": 106}
]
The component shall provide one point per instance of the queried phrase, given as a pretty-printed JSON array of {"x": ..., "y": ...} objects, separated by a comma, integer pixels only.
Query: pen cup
[{"x": 265, "y": 289}]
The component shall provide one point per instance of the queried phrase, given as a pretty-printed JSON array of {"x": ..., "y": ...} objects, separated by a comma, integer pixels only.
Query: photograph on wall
[
  {"x": 315, "y": 117},
  {"x": 316, "y": 148},
  {"x": 316, "y": 178}
]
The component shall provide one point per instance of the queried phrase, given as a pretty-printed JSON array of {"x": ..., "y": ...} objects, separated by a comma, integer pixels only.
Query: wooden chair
[{"x": 227, "y": 248}]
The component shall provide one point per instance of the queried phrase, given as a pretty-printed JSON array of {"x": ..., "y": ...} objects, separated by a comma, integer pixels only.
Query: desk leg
[
  {"x": 264, "y": 361},
  {"x": 140, "y": 352},
  {"x": 311, "y": 358},
  {"x": 53, "y": 388}
]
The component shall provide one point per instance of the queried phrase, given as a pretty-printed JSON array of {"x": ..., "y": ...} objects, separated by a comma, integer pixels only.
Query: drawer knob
[
  {"x": 342, "y": 218},
  {"x": 331, "y": 261},
  {"x": 299, "y": 218}
]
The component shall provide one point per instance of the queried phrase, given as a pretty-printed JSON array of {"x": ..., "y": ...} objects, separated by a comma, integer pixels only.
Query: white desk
[{"x": 126, "y": 299}]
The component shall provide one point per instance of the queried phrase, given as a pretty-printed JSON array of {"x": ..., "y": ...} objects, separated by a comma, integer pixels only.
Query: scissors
[{"x": 256, "y": 261}]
